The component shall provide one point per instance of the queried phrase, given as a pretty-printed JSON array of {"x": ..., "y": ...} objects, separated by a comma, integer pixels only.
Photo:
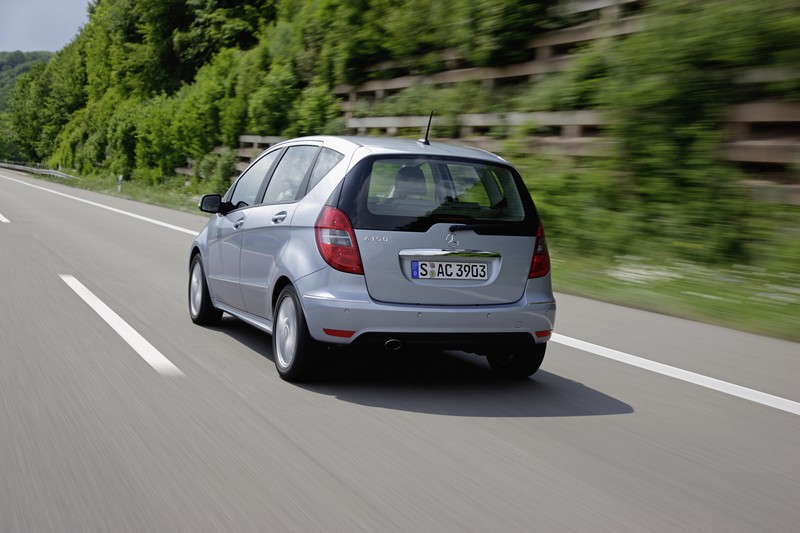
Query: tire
[
  {"x": 295, "y": 351},
  {"x": 201, "y": 309},
  {"x": 520, "y": 364}
]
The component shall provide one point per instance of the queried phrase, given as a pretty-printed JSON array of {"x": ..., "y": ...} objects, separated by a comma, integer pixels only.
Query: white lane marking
[
  {"x": 698, "y": 379},
  {"x": 4, "y": 219},
  {"x": 102, "y": 206},
  {"x": 145, "y": 350}
]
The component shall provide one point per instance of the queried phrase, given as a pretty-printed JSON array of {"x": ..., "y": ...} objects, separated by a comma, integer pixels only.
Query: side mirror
[{"x": 210, "y": 203}]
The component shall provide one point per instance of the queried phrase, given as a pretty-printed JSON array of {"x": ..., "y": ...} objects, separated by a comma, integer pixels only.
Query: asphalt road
[{"x": 94, "y": 438}]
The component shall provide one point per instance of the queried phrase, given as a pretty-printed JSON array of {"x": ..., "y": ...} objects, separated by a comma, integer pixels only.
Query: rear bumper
[
  {"x": 350, "y": 309},
  {"x": 480, "y": 343}
]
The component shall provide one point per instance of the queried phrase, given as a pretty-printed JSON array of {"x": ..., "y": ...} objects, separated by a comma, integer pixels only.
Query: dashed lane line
[{"x": 146, "y": 351}]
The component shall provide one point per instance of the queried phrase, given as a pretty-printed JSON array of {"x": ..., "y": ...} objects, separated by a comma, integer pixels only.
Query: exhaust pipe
[{"x": 393, "y": 345}]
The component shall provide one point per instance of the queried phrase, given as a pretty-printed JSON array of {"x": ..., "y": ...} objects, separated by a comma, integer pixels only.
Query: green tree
[
  {"x": 12, "y": 66},
  {"x": 272, "y": 102},
  {"x": 27, "y": 101},
  {"x": 8, "y": 138},
  {"x": 314, "y": 111},
  {"x": 217, "y": 24}
]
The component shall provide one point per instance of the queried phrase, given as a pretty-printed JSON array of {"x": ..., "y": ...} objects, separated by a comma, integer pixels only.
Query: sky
[{"x": 33, "y": 25}]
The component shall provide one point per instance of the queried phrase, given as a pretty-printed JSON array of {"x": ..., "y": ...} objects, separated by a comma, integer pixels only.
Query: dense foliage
[
  {"x": 12, "y": 66},
  {"x": 148, "y": 84},
  {"x": 668, "y": 90}
]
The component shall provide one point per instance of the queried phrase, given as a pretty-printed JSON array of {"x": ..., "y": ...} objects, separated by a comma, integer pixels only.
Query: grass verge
[
  {"x": 177, "y": 193},
  {"x": 738, "y": 296}
]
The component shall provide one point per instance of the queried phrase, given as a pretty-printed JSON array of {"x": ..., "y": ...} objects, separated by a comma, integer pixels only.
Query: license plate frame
[{"x": 450, "y": 270}]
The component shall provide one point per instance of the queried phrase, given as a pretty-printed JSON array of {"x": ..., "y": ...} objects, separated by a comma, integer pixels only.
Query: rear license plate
[{"x": 447, "y": 270}]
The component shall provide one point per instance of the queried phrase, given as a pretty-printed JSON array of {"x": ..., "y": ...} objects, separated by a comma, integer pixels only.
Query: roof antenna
[{"x": 425, "y": 141}]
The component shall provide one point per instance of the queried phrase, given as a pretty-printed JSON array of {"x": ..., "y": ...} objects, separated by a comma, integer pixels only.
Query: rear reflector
[
  {"x": 339, "y": 333},
  {"x": 544, "y": 333}
]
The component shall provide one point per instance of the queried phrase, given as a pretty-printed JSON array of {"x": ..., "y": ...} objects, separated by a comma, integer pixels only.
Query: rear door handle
[
  {"x": 280, "y": 217},
  {"x": 238, "y": 223}
]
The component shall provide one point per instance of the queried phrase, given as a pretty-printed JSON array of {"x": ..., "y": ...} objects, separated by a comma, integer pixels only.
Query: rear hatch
[{"x": 441, "y": 230}]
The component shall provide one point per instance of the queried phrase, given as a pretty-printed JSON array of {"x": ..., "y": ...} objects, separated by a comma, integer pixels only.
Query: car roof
[{"x": 394, "y": 145}]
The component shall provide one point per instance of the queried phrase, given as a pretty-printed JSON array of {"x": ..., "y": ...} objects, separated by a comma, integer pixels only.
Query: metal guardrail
[{"x": 38, "y": 169}]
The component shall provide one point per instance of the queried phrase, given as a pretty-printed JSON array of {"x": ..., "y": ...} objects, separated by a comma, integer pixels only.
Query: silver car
[{"x": 381, "y": 244}]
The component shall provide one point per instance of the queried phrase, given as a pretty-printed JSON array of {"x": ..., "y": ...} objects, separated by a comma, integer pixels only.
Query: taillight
[
  {"x": 540, "y": 265},
  {"x": 336, "y": 241}
]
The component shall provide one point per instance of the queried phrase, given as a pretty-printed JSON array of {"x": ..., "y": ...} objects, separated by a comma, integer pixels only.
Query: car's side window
[
  {"x": 325, "y": 162},
  {"x": 289, "y": 174},
  {"x": 246, "y": 189}
]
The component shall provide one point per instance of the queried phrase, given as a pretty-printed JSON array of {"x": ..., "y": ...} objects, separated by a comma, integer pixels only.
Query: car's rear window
[{"x": 413, "y": 193}]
